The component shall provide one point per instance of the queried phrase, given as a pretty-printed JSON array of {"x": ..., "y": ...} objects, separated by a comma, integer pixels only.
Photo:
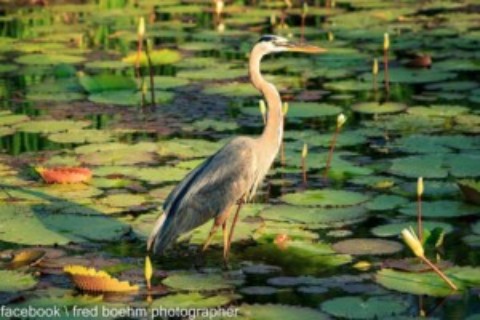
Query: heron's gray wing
[{"x": 208, "y": 190}]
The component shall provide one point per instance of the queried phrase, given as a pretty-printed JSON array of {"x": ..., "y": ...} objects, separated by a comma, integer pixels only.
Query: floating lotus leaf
[
  {"x": 430, "y": 166},
  {"x": 261, "y": 269},
  {"x": 123, "y": 200},
  {"x": 49, "y": 59},
  {"x": 377, "y": 108},
  {"x": 81, "y": 136},
  {"x": 192, "y": 300},
  {"x": 181, "y": 9},
  {"x": 441, "y": 209},
  {"x": 158, "y": 57},
  {"x": 309, "y": 216},
  {"x": 352, "y": 307},
  {"x": 8, "y": 119},
  {"x": 358, "y": 246},
  {"x": 50, "y": 126},
  {"x": 433, "y": 189},
  {"x": 394, "y": 229},
  {"x": 281, "y": 233},
  {"x": 325, "y": 198},
  {"x": 201, "y": 46},
  {"x": 159, "y": 175},
  {"x": 187, "y": 148},
  {"x": 303, "y": 110},
  {"x": 413, "y": 76},
  {"x": 408, "y": 123},
  {"x": 63, "y": 191},
  {"x": 349, "y": 85},
  {"x": 22, "y": 225},
  {"x": 453, "y": 86},
  {"x": 128, "y": 97},
  {"x": 302, "y": 257},
  {"x": 126, "y": 156},
  {"x": 313, "y": 138},
  {"x": 14, "y": 281},
  {"x": 165, "y": 82},
  {"x": 457, "y": 65},
  {"x": 106, "y": 82},
  {"x": 278, "y": 311},
  {"x": 106, "y": 183},
  {"x": 116, "y": 146},
  {"x": 89, "y": 279},
  {"x": 386, "y": 202},
  {"x": 55, "y": 96},
  {"x": 438, "y": 111},
  {"x": 189, "y": 164},
  {"x": 233, "y": 90},
  {"x": 419, "y": 143},
  {"x": 428, "y": 283},
  {"x": 107, "y": 64},
  {"x": 7, "y": 68},
  {"x": 258, "y": 290},
  {"x": 199, "y": 62},
  {"x": 187, "y": 281},
  {"x": 4, "y": 131}
]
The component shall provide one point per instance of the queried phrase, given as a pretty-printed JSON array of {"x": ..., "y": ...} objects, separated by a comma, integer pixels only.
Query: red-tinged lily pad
[
  {"x": 414, "y": 265},
  {"x": 358, "y": 246},
  {"x": 65, "y": 175}
]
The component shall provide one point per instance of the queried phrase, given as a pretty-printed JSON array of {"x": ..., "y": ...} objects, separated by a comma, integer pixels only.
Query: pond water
[{"x": 314, "y": 243}]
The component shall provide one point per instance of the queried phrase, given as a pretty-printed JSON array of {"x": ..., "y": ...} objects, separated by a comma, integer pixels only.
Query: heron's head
[{"x": 272, "y": 43}]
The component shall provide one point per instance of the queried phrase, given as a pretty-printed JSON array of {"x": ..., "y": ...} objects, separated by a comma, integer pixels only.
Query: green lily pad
[
  {"x": 49, "y": 59},
  {"x": 284, "y": 312},
  {"x": 22, "y": 225},
  {"x": 419, "y": 143},
  {"x": 386, "y": 202},
  {"x": 159, "y": 175},
  {"x": 50, "y": 126},
  {"x": 106, "y": 82},
  {"x": 428, "y": 283},
  {"x": 217, "y": 73},
  {"x": 243, "y": 231},
  {"x": 413, "y": 76},
  {"x": 216, "y": 125},
  {"x": 441, "y": 209},
  {"x": 55, "y": 96},
  {"x": 438, "y": 111},
  {"x": 352, "y": 307},
  {"x": 377, "y": 108},
  {"x": 325, "y": 198},
  {"x": 81, "y": 136},
  {"x": 187, "y": 281},
  {"x": 394, "y": 229},
  {"x": 165, "y": 82},
  {"x": 8, "y": 119},
  {"x": 453, "y": 86},
  {"x": 123, "y": 200},
  {"x": 191, "y": 300},
  {"x": 430, "y": 166},
  {"x": 358, "y": 246},
  {"x": 233, "y": 90},
  {"x": 14, "y": 281},
  {"x": 297, "y": 214},
  {"x": 303, "y": 110},
  {"x": 125, "y": 156},
  {"x": 158, "y": 57},
  {"x": 349, "y": 85},
  {"x": 187, "y": 148}
]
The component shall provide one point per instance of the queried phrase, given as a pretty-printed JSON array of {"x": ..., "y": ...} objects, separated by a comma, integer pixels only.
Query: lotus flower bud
[
  {"x": 305, "y": 151},
  {"x": 330, "y": 36},
  {"x": 375, "y": 67},
  {"x": 341, "y": 119},
  {"x": 411, "y": 239},
  {"x": 285, "y": 108},
  {"x": 219, "y": 6},
  {"x": 148, "y": 271},
  {"x": 420, "y": 188},
  {"x": 305, "y": 9},
  {"x": 141, "y": 27},
  {"x": 262, "y": 106},
  {"x": 386, "y": 42}
]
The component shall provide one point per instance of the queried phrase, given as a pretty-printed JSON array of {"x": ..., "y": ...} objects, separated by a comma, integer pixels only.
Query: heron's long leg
[
  {"x": 219, "y": 221},
  {"x": 235, "y": 218},
  {"x": 225, "y": 240},
  {"x": 210, "y": 235}
]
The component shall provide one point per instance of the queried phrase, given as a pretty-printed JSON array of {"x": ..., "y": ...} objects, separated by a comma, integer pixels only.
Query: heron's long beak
[{"x": 306, "y": 48}]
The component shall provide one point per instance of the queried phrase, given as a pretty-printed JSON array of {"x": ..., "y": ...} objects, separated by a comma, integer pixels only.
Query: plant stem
[
  {"x": 440, "y": 273},
  {"x": 137, "y": 60},
  {"x": 386, "y": 76},
  {"x": 151, "y": 73},
  {"x": 330, "y": 153},
  {"x": 419, "y": 218},
  {"x": 304, "y": 171}
]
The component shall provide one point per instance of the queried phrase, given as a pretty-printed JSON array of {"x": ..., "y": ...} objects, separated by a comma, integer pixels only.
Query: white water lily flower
[{"x": 411, "y": 239}]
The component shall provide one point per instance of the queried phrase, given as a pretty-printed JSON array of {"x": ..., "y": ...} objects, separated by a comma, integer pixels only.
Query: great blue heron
[{"x": 231, "y": 176}]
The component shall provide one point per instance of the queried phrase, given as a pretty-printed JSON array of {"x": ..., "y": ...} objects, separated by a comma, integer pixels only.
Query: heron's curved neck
[{"x": 273, "y": 131}]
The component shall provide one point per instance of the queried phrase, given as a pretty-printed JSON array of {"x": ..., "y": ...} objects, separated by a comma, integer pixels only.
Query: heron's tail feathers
[{"x": 161, "y": 236}]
